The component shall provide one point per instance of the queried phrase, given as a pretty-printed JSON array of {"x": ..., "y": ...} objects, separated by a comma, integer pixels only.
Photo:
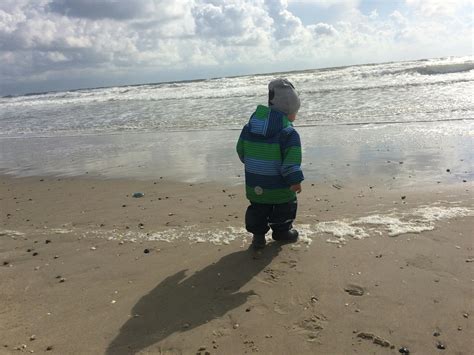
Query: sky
[{"x": 50, "y": 45}]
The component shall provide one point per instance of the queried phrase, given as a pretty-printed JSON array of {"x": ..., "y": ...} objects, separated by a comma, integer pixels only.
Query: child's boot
[
  {"x": 258, "y": 241},
  {"x": 290, "y": 236}
]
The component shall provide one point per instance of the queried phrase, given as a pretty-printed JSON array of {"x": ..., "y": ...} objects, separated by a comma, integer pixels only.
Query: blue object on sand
[{"x": 138, "y": 194}]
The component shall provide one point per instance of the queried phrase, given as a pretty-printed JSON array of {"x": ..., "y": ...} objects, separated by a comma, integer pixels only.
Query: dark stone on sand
[
  {"x": 35, "y": 253},
  {"x": 124, "y": 205},
  {"x": 146, "y": 251},
  {"x": 141, "y": 225},
  {"x": 404, "y": 350},
  {"x": 29, "y": 250},
  {"x": 404, "y": 197},
  {"x": 47, "y": 241},
  {"x": 375, "y": 339},
  {"x": 5, "y": 263},
  {"x": 62, "y": 279},
  {"x": 49, "y": 348},
  {"x": 436, "y": 334},
  {"x": 464, "y": 181},
  {"x": 448, "y": 170},
  {"x": 440, "y": 346},
  {"x": 354, "y": 290}
]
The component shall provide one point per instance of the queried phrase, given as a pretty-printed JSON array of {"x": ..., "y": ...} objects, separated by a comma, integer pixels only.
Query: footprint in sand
[
  {"x": 161, "y": 351},
  {"x": 281, "y": 309},
  {"x": 310, "y": 327},
  {"x": 290, "y": 263},
  {"x": 256, "y": 305},
  {"x": 272, "y": 275}
]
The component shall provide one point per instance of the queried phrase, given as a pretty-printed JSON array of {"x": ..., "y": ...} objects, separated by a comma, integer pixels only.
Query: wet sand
[{"x": 79, "y": 274}]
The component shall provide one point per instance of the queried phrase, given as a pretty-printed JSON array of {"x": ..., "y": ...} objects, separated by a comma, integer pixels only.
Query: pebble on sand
[
  {"x": 375, "y": 339},
  {"x": 354, "y": 290}
]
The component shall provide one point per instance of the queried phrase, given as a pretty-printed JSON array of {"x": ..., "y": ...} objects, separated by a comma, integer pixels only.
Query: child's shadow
[{"x": 178, "y": 303}]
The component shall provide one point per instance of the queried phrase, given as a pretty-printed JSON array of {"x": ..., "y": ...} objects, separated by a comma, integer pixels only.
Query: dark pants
[{"x": 260, "y": 217}]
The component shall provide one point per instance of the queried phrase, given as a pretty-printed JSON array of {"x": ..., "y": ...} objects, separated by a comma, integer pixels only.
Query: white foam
[
  {"x": 191, "y": 233},
  {"x": 11, "y": 233},
  {"x": 436, "y": 213},
  {"x": 394, "y": 226},
  {"x": 393, "y": 223},
  {"x": 61, "y": 230},
  {"x": 341, "y": 229}
]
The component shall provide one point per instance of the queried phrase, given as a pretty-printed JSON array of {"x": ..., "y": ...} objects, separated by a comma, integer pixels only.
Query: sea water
[{"x": 412, "y": 119}]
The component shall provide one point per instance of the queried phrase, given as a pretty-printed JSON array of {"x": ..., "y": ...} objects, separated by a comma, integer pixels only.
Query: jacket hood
[{"x": 267, "y": 122}]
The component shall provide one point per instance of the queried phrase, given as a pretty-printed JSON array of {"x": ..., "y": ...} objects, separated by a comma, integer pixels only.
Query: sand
[{"x": 79, "y": 274}]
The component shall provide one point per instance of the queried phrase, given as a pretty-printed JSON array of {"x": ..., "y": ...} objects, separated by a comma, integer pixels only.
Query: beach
[
  {"x": 87, "y": 268},
  {"x": 122, "y": 218}
]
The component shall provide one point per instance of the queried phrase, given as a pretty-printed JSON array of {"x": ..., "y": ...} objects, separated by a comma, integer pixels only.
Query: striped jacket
[{"x": 270, "y": 148}]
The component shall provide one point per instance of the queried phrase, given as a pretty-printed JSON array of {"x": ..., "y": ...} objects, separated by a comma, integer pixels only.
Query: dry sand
[{"x": 73, "y": 281}]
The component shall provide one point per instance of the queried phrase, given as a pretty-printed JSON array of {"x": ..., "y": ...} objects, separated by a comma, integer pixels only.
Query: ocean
[{"x": 417, "y": 115}]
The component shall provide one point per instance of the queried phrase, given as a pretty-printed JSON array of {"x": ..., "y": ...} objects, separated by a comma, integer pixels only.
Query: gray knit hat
[{"x": 283, "y": 96}]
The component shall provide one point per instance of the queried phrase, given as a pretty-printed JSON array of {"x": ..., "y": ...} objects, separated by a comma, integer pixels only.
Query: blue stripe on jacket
[
  {"x": 263, "y": 167},
  {"x": 275, "y": 182}
]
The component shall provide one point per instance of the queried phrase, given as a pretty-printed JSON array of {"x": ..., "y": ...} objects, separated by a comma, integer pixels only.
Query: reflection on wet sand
[{"x": 395, "y": 154}]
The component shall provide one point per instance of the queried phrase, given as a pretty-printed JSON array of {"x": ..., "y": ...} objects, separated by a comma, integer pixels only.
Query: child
[{"x": 270, "y": 148}]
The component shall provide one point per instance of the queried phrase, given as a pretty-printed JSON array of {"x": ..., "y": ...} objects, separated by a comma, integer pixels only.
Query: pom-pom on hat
[{"x": 283, "y": 96}]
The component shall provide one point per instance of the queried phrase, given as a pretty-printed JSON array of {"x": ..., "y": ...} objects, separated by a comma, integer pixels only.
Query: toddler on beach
[{"x": 270, "y": 148}]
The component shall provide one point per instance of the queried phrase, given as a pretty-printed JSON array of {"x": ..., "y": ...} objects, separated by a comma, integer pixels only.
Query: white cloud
[
  {"x": 323, "y": 29},
  {"x": 328, "y": 3},
  {"x": 439, "y": 7},
  {"x": 73, "y": 39}
]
